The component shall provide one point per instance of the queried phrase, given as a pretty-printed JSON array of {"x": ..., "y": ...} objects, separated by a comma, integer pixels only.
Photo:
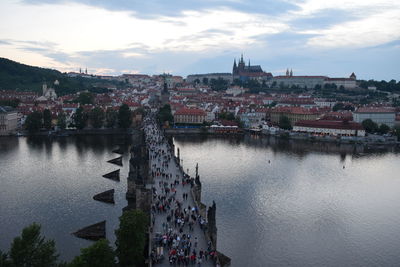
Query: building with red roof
[
  {"x": 325, "y": 127},
  {"x": 293, "y": 113},
  {"x": 190, "y": 116},
  {"x": 379, "y": 115}
]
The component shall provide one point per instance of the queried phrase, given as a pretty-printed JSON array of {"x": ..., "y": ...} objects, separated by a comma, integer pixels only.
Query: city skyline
[{"x": 332, "y": 38}]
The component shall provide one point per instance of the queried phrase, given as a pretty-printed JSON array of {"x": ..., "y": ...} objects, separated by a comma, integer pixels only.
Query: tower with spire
[{"x": 243, "y": 71}]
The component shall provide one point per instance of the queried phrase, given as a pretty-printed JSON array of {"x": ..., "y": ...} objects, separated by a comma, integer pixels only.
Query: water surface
[
  {"x": 302, "y": 208},
  {"x": 52, "y": 182}
]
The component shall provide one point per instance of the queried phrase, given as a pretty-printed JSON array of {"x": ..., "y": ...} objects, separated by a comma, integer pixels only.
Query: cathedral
[{"x": 242, "y": 72}]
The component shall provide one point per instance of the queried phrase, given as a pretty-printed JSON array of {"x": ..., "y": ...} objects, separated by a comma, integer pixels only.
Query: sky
[{"x": 311, "y": 37}]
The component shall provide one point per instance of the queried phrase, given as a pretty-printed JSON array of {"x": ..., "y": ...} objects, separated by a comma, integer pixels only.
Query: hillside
[{"x": 17, "y": 76}]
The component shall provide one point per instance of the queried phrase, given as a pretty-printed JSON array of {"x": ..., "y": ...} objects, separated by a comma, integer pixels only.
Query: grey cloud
[{"x": 174, "y": 8}]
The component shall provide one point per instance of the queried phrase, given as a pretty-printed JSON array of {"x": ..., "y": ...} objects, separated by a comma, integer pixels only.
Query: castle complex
[{"x": 243, "y": 72}]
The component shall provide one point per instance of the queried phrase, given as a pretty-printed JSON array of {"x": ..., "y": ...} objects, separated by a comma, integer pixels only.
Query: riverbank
[
  {"x": 370, "y": 140},
  {"x": 73, "y": 132}
]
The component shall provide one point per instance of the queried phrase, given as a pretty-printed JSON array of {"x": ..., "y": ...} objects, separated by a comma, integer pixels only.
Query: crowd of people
[{"x": 178, "y": 227}]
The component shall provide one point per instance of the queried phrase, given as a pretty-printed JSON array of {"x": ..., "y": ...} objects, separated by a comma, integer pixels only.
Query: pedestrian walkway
[{"x": 178, "y": 228}]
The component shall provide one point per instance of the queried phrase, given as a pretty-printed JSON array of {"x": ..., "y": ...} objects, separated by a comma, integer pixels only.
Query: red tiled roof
[
  {"x": 191, "y": 111},
  {"x": 351, "y": 125},
  {"x": 340, "y": 79},
  {"x": 375, "y": 110},
  {"x": 228, "y": 123},
  {"x": 283, "y": 76},
  {"x": 295, "y": 110}
]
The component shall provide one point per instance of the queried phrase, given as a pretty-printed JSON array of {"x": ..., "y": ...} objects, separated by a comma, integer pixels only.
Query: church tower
[
  {"x": 241, "y": 65},
  {"x": 234, "y": 69},
  {"x": 44, "y": 88}
]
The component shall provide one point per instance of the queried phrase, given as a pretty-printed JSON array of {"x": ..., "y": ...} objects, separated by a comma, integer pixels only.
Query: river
[
  {"x": 285, "y": 203},
  {"x": 279, "y": 203},
  {"x": 52, "y": 182}
]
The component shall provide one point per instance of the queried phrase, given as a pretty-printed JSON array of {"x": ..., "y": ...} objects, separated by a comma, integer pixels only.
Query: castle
[{"x": 242, "y": 72}]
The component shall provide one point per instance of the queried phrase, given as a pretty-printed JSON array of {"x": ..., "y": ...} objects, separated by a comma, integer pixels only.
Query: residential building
[
  {"x": 324, "y": 127},
  {"x": 379, "y": 115},
  {"x": 190, "y": 116},
  {"x": 297, "y": 102},
  {"x": 300, "y": 81},
  {"x": 8, "y": 120},
  {"x": 293, "y": 113}
]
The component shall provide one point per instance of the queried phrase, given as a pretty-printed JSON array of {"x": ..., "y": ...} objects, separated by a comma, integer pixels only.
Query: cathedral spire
[
  {"x": 287, "y": 72},
  {"x": 241, "y": 59},
  {"x": 291, "y": 72},
  {"x": 249, "y": 62}
]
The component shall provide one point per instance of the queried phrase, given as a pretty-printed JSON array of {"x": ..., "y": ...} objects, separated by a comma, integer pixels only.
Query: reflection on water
[
  {"x": 52, "y": 182},
  {"x": 285, "y": 203}
]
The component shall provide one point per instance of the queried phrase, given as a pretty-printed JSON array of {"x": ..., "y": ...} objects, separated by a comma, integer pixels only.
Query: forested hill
[{"x": 17, "y": 76}]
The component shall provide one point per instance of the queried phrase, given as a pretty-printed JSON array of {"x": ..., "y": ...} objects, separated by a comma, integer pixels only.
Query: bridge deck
[{"x": 162, "y": 162}]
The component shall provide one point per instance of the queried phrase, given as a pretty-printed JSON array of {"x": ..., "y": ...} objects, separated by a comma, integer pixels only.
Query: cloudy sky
[{"x": 313, "y": 37}]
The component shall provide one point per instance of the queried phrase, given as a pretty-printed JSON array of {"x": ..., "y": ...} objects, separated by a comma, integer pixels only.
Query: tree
[
  {"x": 396, "y": 130},
  {"x": 10, "y": 102},
  {"x": 62, "y": 121},
  {"x": 80, "y": 118},
  {"x": 100, "y": 254},
  {"x": 124, "y": 117},
  {"x": 383, "y": 129},
  {"x": 165, "y": 114},
  {"x": 85, "y": 98},
  {"x": 218, "y": 84},
  {"x": 96, "y": 116},
  {"x": 47, "y": 119},
  {"x": 4, "y": 261},
  {"x": 227, "y": 116},
  {"x": 338, "y": 106},
  {"x": 111, "y": 118},
  {"x": 370, "y": 126},
  {"x": 284, "y": 123},
  {"x": 33, "y": 122},
  {"x": 31, "y": 249},
  {"x": 131, "y": 238},
  {"x": 205, "y": 80}
]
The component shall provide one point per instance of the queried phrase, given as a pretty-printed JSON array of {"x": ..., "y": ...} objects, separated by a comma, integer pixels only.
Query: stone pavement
[{"x": 171, "y": 216}]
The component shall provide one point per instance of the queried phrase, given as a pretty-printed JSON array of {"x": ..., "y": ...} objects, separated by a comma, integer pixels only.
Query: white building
[
  {"x": 347, "y": 83},
  {"x": 8, "y": 120},
  {"x": 311, "y": 81},
  {"x": 379, "y": 115},
  {"x": 235, "y": 90},
  {"x": 300, "y": 81},
  {"x": 320, "y": 102},
  {"x": 334, "y": 128},
  {"x": 193, "y": 77}
]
